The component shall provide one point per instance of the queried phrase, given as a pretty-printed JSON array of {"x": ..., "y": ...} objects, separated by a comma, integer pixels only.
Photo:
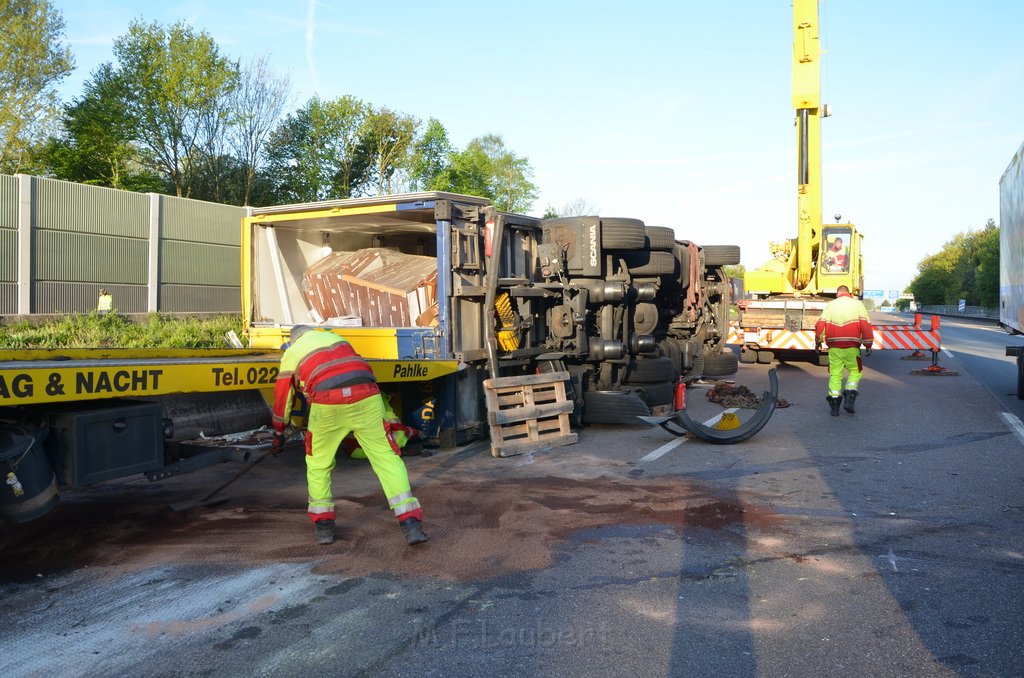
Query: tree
[
  {"x": 486, "y": 168},
  {"x": 315, "y": 153},
  {"x": 96, "y": 146},
  {"x": 33, "y": 60},
  {"x": 987, "y": 256},
  {"x": 430, "y": 157},
  {"x": 179, "y": 83},
  {"x": 578, "y": 207},
  {"x": 257, "y": 105},
  {"x": 966, "y": 268},
  {"x": 387, "y": 142}
]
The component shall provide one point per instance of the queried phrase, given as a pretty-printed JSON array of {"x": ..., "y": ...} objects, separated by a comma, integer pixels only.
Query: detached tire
[
  {"x": 720, "y": 364},
  {"x": 623, "y": 234},
  {"x": 613, "y": 407},
  {"x": 721, "y": 255}
]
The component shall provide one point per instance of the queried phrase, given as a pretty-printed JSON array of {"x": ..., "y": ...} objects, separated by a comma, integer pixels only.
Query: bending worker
[
  {"x": 343, "y": 398},
  {"x": 844, "y": 326}
]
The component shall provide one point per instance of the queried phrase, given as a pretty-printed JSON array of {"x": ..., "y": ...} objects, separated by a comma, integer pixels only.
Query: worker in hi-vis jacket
[
  {"x": 844, "y": 326},
  {"x": 343, "y": 398}
]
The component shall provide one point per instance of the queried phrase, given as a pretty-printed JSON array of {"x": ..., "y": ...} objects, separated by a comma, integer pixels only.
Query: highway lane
[
  {"x": 980, "y": 347},
  {"x": 888, "y": 542}
]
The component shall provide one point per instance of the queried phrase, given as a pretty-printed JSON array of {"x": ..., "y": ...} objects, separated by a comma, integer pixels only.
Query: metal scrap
[{"x": 728, "y": 394}]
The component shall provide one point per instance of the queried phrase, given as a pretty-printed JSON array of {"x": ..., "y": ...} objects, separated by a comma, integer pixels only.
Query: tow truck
[{"x": 70, "y": 418}]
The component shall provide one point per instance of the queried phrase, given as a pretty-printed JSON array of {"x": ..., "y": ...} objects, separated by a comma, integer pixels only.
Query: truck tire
[
  {"x": 650, "y": 371},
  {"x": 623, "y": 234},
  {"x": 613, "y": 407},
  {"x": 696, "y": 369},
  {"x": 662, "y": 393},
  {"x": 721, "y": 255},
  {"x": 650, "y": 263},
  {"x": 660, "y": 238},
  {"x": 682, "y": 253},
  {"x": 720, "y": 364},
  {"x": 670, "y": 348}
]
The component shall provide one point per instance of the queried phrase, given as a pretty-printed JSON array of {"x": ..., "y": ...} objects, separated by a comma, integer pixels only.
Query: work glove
[
  {"x": 867, "y": 350},
  {"x": 277, "y": 444}
]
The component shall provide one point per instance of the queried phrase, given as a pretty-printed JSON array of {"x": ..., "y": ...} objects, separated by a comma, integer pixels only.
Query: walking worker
[
  {"x": 844, "y": 326},
  {"x": 106, "y": 302},
  {"x": 343, "y": 398}
]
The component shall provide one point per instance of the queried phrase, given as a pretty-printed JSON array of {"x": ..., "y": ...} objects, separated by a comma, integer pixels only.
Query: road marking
[
  {"x": 663, "y": 450},
  {"x": 947, "y": 352},
  {"x": 673, "y": 444},
  {"x": 1014, "y": 423}
]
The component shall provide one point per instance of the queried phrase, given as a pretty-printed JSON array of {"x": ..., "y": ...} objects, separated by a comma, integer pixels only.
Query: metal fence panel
[
  {"x": 60, "y": 256},
  {"x": 87, "y": 237},
  {"x": 67, "y": 206},
  {"x": 78, "y": 297},
  {"x": 8, "y": 245},
  {"x": 199, "y": 299},
  {"x": 198, "y": 221},
  {"x": 194, "y": 263}
]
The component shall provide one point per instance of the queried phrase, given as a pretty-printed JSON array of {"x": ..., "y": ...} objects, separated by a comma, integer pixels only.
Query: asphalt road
[{"x": 889, "y": 542}]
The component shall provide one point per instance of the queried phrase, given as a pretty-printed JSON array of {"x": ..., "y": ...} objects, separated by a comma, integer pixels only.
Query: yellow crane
[{"x": 786, "y": 294}]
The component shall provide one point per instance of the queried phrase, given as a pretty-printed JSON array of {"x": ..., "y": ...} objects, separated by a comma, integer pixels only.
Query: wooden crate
[{"x": 528, "y": 413}]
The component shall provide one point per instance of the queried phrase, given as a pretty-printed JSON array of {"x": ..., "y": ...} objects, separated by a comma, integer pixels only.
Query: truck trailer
[
  {"x": 1011, "y": 257},
  {"x": 626, "y": 309}
]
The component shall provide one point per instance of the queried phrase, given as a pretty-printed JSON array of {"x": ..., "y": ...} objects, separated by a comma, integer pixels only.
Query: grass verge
[{"x": 93, "y": 330}]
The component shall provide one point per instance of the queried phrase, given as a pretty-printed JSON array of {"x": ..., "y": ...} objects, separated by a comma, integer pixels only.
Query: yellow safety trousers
[
  {"x": 840, "y": 359},
  {"x": 327, "y": 427}
]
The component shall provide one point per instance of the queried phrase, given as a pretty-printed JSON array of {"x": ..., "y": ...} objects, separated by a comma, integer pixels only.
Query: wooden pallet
[{"x": 528, "y": 413}]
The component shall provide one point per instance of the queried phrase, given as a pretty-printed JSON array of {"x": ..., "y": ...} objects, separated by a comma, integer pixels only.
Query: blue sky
[{"x": 674, "y": 112}]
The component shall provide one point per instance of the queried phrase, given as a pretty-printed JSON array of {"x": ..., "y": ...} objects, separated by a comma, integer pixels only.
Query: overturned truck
[{"x": 627, "y": 310}]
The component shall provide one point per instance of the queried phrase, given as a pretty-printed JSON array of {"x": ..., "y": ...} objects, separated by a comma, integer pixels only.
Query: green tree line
[
  {"x": 966, "y": 268},
  {"x": 173, "y": 113}
]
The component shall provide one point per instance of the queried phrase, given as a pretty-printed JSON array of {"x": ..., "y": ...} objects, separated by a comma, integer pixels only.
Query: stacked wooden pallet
[{"x": 528, "y": 413}]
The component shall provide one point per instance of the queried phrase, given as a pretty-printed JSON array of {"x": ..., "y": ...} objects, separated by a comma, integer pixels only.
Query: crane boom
[
  {"x": 786, "y": 294},
  {"x": 807, "y": 102}
]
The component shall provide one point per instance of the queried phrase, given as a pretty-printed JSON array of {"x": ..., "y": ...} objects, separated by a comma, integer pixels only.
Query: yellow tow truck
[{"x": 75, "y": 417}]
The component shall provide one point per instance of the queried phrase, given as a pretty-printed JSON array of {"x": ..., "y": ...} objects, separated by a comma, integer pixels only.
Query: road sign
[
  {"x": 893, "y": 295},
  {"x": 874, "y": 294}
]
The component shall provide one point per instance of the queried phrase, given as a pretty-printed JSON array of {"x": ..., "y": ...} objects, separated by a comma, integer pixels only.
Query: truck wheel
[
  {"x": 748, "y": 356},
  {"x": 660, "y": 238},
  {"x": 1020, "y": 375},
  {"x": 765, "y": 357},
  {"x": 623, "y": 234},
  {"x": 682, "y": 253},
  {"x": 645, "y": 318},
  {"x": 720, "y": 364},
  {"x": 721, "y": 255},
  {"x": 613, "y": 407},
  {"x": 650, "y": 371},
  {"x": 661, "y": 393},
  {"x": 670, "y": 348},
  {"x": 650, "y": 263},
  {"x": 696, "y": 369}
]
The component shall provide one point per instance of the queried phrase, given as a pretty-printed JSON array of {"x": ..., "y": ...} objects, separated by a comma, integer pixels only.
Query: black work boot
[
  {"x": 324, "y": 532},
  {"x": 849, "y": 396},
  {"x": 834, "y": 402},
  {"x": 413, "y": 529}
]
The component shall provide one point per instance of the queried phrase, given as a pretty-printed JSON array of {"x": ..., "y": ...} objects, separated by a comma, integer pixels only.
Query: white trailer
[{"x": 1011, "y": 257}]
